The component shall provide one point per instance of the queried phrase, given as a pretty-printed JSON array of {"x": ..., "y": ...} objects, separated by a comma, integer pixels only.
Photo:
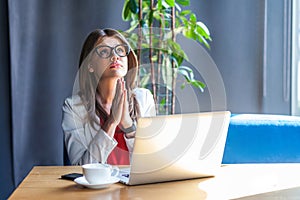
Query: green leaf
[
  {"x": 193, "y": 18},
  {"x": 177, "y": 7},
  {"x": 126, "y": 12},
  {"x": 186, "y": 72},
  {"x": 183, "y": 2},
  {"x": 157, "y": 16},
  {"x": 154, "y": 58},
  {"x": 159, "y": 5},
  {"x": 150, "y": 20},
  {"x": 178, "y": 30},
  {"x": 178, "y": 59},
  {"x": 165, "y": 5},
  {"x": 163, "y": 101},
  {"x": 177, "y": 22},
  {"x": 133, "y": 25},
  {"x": 171, "y": 3},
  {"x": 203, "y": 30},
  {"x": 145, "y": 80},
  {"x": 204, "y": 42},
  {"x": 143, "y": 23},
  {"x": 182, "y": 86},
  {"x": 185, "y": 12},
  {"x": 133, "y": 6},
  {"x": 174, "y": 46},
  {"x": 184, "y": 20},
  {"x": 162, "y": 105},
  {"x": 188, "y": 33},
  {"x": 176, "y": 51},
  {"x": 167, "y": 15},
  {"x": 198, "y": 84},
  {"x": 186, "y": 68},
  {"x": 175, "y": 59}
]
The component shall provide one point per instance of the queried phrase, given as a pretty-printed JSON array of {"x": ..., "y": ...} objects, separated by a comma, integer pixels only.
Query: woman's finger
[{"x": 117, "y": 108}]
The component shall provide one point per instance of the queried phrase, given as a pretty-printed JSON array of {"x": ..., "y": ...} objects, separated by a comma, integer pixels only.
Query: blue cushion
[{"x": 260, "y": 138}]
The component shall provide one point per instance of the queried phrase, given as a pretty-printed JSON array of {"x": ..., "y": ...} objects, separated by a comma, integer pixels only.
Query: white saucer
[{"x": 105, "y": 184}]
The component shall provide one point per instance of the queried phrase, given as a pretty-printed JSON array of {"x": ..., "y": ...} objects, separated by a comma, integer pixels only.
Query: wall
[{"x": 237, "y": 29}]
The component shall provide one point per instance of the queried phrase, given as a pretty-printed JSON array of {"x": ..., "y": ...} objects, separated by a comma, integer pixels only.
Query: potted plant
[{"x": 154, "y": 26}]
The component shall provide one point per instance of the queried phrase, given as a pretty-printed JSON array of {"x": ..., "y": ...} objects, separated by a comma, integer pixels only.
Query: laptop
[{"x": 177, "y": 147}]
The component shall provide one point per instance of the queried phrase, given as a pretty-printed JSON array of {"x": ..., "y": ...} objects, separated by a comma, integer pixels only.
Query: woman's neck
[{"x": 106, "y": 91}]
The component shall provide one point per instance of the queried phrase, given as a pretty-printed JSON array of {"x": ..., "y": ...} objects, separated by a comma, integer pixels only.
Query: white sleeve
[
  {"x": 146, "y": 102},
  {"x": 84, "y": 144}
]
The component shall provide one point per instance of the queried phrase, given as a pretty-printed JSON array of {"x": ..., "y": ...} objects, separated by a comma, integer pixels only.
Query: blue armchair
[{"x": 261, "y": 138}]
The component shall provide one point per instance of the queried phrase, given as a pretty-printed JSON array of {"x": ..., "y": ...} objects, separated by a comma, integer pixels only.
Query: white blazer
[{"x": 85, "y": 144}]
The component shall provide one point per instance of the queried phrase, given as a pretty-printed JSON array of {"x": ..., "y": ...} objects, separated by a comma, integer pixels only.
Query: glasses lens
[
  {"x": 122, "y": 50},
  {"x": 103, "y": 52},
  {"x": 106, "y": 51}
]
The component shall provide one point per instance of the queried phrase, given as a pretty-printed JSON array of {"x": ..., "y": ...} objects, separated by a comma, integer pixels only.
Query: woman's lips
[{"x": 115, "y": 66}]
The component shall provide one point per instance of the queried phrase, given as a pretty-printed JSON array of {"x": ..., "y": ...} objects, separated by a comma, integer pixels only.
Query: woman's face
[{"x": 109, "y": 59}]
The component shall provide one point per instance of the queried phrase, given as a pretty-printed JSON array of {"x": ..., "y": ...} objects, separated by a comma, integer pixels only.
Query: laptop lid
[{"x": 176, "y": 147}]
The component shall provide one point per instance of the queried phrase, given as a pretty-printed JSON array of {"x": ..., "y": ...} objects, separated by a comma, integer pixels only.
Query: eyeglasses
[{"x": 121, "y": 50}]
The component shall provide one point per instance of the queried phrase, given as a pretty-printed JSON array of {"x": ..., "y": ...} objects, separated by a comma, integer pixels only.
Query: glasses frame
[{"x": 113, "y": 49}]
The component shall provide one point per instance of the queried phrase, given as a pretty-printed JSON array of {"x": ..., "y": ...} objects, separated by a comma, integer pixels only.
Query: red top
[{"x": 120, "y": 154}]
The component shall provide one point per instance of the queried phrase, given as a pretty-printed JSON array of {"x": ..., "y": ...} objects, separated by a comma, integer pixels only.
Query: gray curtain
[
  {"x": 6, "y": 171},
  {"x": 40, "y": 46}
]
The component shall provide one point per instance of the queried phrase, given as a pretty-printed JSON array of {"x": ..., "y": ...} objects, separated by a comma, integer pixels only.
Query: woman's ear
[{"x": 91, "y": 69}]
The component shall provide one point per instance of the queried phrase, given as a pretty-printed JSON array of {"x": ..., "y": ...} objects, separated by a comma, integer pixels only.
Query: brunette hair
[{"x": 88, "y": 82}]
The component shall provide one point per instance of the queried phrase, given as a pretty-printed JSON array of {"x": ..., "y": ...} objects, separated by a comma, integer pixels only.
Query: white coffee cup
[{"x": 96, "y": 173}]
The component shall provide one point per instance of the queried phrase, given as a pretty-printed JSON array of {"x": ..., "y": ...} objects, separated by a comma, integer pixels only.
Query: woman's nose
[{"x": 114, "y": 57}]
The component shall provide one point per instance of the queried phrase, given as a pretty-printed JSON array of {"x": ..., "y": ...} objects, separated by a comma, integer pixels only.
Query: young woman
[{"x": 99, "y": 120}]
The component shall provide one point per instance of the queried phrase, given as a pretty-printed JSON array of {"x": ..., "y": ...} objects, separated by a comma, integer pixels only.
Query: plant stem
[
  {"x": 139, "y": 57},
  {"x": 173, "y": 64},
  {"x": 150, "y": 58},
  {"x": 159, "y": 58}
]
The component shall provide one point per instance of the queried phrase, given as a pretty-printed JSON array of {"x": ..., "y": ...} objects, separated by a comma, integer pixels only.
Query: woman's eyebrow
[{"x": 105, "y": 44}]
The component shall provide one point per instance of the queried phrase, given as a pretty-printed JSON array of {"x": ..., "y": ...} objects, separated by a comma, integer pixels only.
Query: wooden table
[{"x": 245, "y": 181}]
